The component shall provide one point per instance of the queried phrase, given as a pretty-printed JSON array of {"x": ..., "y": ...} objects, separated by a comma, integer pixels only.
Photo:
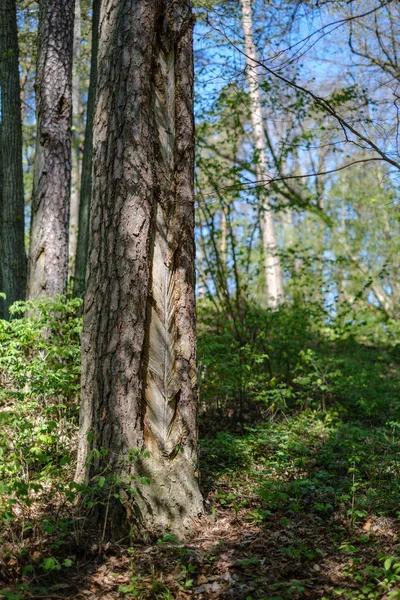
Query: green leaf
[
  {"x": 388, "y": 563},
  {"x": 50, "y": 564},
  {"x": 68, "y": 562}
]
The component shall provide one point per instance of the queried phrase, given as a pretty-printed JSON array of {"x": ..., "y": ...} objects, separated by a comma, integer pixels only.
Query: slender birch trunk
[
  {"x": 76, "y": 141},
  {"x": 223, "y": 248},
  {"x": 138, "y": 428},
  {"x": 48, "y": 257},
  {"x": 12, "y": 248},
  {"x": 86, "y": 179},
  {"x": 272, "y": 267},
  {"x": 201, "y": 287}
]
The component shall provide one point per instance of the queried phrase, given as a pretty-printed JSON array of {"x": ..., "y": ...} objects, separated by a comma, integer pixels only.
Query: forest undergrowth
[{"x": 300, "y": 442}]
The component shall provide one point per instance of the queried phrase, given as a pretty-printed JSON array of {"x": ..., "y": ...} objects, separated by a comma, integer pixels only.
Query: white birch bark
[
  {"x": 223, "y": 242},
  {"x": 272, "y": 267}
]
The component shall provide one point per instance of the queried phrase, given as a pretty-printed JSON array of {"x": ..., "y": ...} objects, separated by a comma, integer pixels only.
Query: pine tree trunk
[
  {"x": 76, "y": 140},
  {"x": 272, "y": 267},
  {"x": 12, "y": 248},
  {"x": 48, "y": 259},
  {"x": 86, "y": 177},
  {"x": 139, "y": 396}
]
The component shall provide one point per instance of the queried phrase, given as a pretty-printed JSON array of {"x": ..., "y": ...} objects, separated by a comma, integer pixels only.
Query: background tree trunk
[
  {"x": 272, "y": 267},
  {"x": 48, "y": 258},
  {"x": 76, "y": 140},
  {"x": 139, "y": 395},
  {"x": 12, "y": 248},
  {"x": 86, "y": 178}
]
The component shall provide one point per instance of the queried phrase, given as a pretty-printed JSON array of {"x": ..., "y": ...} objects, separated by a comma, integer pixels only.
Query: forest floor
[
  {"x": 302, "y": 507},
  {"x": 301, "y": 491}
]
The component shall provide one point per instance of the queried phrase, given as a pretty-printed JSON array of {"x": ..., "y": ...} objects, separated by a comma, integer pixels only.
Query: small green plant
[
  {"x": 168, "y": 538},
  {"x": 185, "y": 577},
  {"x": 143, "y": 587},
  {"x": 249, "y": 562},
  {"x": 373, "y": 581}
]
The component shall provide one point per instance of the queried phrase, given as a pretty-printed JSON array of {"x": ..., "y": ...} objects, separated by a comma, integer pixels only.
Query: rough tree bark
[
  {"x": 12, "y": 249},
  {"x": 86, "y": 177},
  {"x": 139, "y": 400},
  {"x": 76, "y": 140},
  {"x": 48, "y": 258},
  {"x": 272, "y": 267}
]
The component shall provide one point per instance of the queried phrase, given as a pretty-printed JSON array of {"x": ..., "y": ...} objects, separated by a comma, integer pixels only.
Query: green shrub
[{"x": 39, "y": 395}]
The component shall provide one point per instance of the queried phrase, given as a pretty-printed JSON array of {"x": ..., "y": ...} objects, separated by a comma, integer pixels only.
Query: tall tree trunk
[
  {"x": 76, "y": 140},
  {"x": 272, "y": 267},
  {"x": 48, "y": 259},
  {"x": 139, "y": 397},
  {"x": 86, "y": 179},
  {"x": 223, "y": 247},
  {"x": 12, "y": 249},
  {"x": 201, "y": 287}
]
